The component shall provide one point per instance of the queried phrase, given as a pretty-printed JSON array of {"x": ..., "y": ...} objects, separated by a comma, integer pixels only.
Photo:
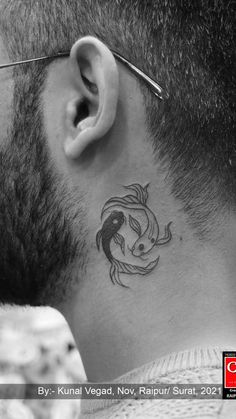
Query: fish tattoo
[{"x": 116, "y": 211}]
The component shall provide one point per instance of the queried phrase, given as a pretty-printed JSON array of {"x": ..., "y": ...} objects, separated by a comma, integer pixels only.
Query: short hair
[{"x": 188, "y": 47}]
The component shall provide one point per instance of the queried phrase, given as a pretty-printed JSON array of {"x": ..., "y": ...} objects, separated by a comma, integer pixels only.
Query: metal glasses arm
[
  {"x": 155, "y": 87},
  {"x": 47, "y": 57}
]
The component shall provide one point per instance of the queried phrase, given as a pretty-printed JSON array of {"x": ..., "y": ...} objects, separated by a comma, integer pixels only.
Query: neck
[{"x": 188, "y": 301}]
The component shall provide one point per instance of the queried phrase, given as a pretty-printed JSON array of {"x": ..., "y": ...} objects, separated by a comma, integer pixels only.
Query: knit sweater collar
[{"x": 209, "y": 357}]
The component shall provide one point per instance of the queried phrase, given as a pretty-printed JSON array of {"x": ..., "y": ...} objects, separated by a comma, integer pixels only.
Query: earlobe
[{"x": 91, "y": 114}]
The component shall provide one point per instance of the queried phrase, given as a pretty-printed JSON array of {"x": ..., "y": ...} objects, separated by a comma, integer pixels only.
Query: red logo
[{"x": 230, "y": 372}]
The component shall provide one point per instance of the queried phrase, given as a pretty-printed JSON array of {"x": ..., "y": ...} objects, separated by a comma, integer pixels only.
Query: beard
[{"x": 40, "y": 237}]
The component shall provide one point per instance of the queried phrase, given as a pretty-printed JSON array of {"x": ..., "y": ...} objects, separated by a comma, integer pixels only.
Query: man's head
[{"x": 82, "y": 127}]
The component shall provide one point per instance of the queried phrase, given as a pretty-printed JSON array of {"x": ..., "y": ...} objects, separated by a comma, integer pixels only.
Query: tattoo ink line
[{"x": 143, "y": 247}]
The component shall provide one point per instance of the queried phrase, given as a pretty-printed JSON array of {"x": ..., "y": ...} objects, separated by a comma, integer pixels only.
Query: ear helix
[{"x": 91, "y": 118}]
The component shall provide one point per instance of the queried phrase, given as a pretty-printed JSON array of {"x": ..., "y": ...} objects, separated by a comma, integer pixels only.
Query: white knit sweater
[{"x": 197, "y": 366}]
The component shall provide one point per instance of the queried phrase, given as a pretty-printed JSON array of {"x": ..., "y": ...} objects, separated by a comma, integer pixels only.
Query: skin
[
  {"x": 110, "y": 227},
  {"x": 182, "y": 303},
  {"x": 146, "y": 242},
  {"x": 150, "y": 235},
  {"x": 148, "y": 239}
]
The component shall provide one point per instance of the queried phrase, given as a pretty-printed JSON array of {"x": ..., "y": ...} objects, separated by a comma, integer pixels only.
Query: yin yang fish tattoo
[{"x": 141, "y": 257}]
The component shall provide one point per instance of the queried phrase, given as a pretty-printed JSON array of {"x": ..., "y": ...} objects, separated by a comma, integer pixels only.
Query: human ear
[{"x": 92, "y": 111}]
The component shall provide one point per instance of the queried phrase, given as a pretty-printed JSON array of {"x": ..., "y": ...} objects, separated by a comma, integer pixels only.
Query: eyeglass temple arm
[
  {"x": 46, "y": 57},
  {"x": 156, "y": 88}
]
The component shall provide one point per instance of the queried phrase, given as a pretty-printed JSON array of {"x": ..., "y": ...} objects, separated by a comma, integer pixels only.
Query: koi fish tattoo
[{"x": 123, "y": 213}]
